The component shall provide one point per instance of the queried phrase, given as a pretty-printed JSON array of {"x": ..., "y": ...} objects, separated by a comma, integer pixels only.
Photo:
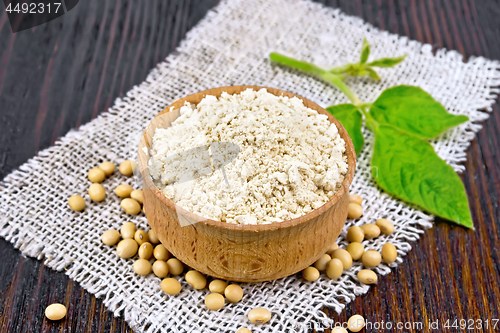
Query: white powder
[{"x": 291, "y": 158}]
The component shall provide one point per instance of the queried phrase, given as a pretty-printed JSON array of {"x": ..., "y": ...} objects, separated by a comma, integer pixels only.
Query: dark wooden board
[{"x": 60, "y": 75}]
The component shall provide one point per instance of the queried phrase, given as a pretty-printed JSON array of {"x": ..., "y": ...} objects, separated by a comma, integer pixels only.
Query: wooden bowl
[{"x": 247, "y": 253}]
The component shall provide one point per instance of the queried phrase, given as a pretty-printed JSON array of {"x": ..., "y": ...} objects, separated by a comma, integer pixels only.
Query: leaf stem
[{"x": 326, "y": 75}]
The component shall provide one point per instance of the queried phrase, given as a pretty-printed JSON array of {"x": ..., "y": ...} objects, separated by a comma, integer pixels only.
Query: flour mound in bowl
[{"x": 291, "y": 159}]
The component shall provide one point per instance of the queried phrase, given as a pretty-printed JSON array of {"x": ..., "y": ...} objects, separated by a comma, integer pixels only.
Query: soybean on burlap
[{"x": 231, "y": 46}]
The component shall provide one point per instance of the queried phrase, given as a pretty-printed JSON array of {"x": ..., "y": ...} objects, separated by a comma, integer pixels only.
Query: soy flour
[{"x": 291, "y": 159}]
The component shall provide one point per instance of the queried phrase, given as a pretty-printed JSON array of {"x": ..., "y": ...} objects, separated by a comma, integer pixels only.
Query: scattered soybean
[
  {"x": 137, "y": 196},
  {"x": 322, "y": 262},
  {"x": 335, "y": 268},
  {"x": 145, "y": 251},
  {"x": 107, "y": 167},
  {"x": 171, "y": 286},
  {"x": 127, "y": 248},
  {"x": 371, "y": 258},
  {"x": 354, "y": 211},
  {"x": 160, "y": 252},
  {"x": 97, "y": 192},
  {"x": 356, "y": 250},
  {"x": 355, "y": 234},
  {"x": 76, "y": 203},
  {"x": 160, "y": 268},
  {"x": 259, "y": 315},
  {"x": 371, "y": 230},
  {"x": 128, "y": 230},
  {"x": 389, "y": 253},
  {"x": 55, "y": 311},
  {"x": 386, "y": 227},
  {"x": 196, "y": 279},
  {"x": 310, "y": 273},
  {"x": 96, "y": 175},
  {"x": 110, "y": 237},
  {"x": 130, "y": 206},
  {"x": 233, "y": 293},
  {"x": 123, "y": 190},
  {"x": 142, "y": 267},
  {"x": 344, "y": 257},
  {"x": 367, "y": 276},
  {"x": 141, "y": 237},
  {"x": 217, "y": 286},
  {"x": 214, "y": 301},
  {"x": 127, "y": 168}
]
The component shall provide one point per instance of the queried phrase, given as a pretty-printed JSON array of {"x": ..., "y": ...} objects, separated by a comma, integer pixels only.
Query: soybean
[
  {"x": 171, "y": 286},
  {"x": 389, "y": 253},
  {"x": 371, "y": 230},
  {"x": 137, "y": 196},
  {"x": 243, "y": 330},
  {"x": 145, "y": 250},
  {"x": 356, "y": 323},
  {"x": 355, "y": 234},
  {"x": 354, "y": 198},
  {"x": 322, "y": 262},
  {"x": 233, "y": 293},
  {"x": 123, "y": 190},
  {"x": 128, "y": 230},
  {"x": 127, "y": 168},
  {"x": 175, "y": 267},
  {"x": 338, "y": 330},
  {"x": 356, "y": 250},
  {"x": 310, "y": 273},
  {"x": 386, "y": 227},
  {"x": 130, "y": 206},
  {"x": 367, "y": 276},
  {"x": 371, "y": 258},
  {"x": 153, "y": 238},
  {"x": 196, "y": 279},
  {"x": 127, "y": 248},
  {"x": 96, "y": 175},
  {"x": 160, "y": 252},
  {"x": 335, "y": 269},
  {"x": 110, "y": 237},
  {"x": 259, "y": 315},
  {"x": 97, "y": 192},
  {"x": 55, "y": 311},
  {"x": 141, "y": 237},
  {"x": 107, "y": 167},
  {"x": 160, "y": 268},
  {"x": 332, "y": 248},
  {"x": 354, "y": 211},
  {"x": 343, "y": 256},
  {"x": 76, "y": 203},
  {"x": 217, "y": 286},
  {"x": 214, "y": 301},
  {"x": 142, "y": 267}
]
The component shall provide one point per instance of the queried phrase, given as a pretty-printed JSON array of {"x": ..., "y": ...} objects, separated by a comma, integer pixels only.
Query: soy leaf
[
  {"x": 365, "y": 51},
  {"x": 386, "y": 62},
  {"x": 350, "y": 117},
  {"x": 372, "y": 73},
  {"x": 409, "y": 168},
  {"x": 414, "y": 111}
]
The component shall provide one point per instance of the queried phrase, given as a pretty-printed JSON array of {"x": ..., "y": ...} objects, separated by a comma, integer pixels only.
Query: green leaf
[
  {"x": 372, "y": 73},
  {"x": 414, "y": 111},
  {"x": 365, "y": 51},
  {"x": 387, "y": 62},
  {"x": 409, "y": 168},
  {"x": 350, "y": 117}
]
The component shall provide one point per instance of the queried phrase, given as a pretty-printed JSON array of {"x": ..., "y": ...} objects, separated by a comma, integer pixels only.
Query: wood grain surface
[{"x": 60, "y": 75}]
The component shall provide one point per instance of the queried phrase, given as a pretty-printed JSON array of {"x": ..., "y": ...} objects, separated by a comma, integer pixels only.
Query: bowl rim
[{"x": 344, "y": 187}]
